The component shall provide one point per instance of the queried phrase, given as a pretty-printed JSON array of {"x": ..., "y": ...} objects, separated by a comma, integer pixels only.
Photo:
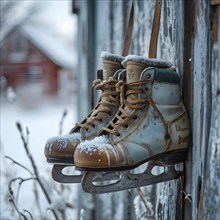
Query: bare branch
[
  {"x": 21, "y": 180},
  {"x": 11, "y": 200},
  {"x": 34, "y": 174},
  {"x": 141, "y": 194},
  {"x": 69, "y": 205},
  {"x": 15, "y": 162},
  {"x": 28, "y": 213},
  {"x": 36, "y": 194},
  {"x": 25, "y": 144},
  {"x": 61, "y": 121}
]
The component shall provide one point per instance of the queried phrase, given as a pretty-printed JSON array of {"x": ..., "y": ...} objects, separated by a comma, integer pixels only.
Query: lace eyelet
[
  {"x": 87, "y": 130},
  {"x": 126, "y": 126},
  {"x": 148, "y": 76},
  {"x": 135, "y": 117},
  {"x": 100, "y": 120},
  {"x": 118, "y": 134},
  {"x": 144, "y": 107}
]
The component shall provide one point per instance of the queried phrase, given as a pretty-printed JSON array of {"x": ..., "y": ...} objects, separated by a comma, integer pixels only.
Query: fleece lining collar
[{"x": 151, "y": 62}]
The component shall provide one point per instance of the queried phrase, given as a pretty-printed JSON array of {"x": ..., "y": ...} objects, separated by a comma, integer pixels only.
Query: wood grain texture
[{"x": 185, "y": 39}]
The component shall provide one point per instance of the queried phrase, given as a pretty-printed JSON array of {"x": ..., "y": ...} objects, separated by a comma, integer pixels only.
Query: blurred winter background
[{"x": 37, "y": 83}]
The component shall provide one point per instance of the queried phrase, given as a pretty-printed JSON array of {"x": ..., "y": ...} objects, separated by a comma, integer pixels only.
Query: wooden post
[{"x": 185, "y": 39}]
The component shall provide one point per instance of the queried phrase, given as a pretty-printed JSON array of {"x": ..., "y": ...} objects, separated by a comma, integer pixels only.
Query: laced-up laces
[
  {"x": 109, "y": 99},
  {"x": 131, "y": 101}
]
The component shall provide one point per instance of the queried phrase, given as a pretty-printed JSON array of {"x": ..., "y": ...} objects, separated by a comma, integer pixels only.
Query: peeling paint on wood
[
  {"x": 211, "y": 199},
  {"x": 185, "y": 39}
]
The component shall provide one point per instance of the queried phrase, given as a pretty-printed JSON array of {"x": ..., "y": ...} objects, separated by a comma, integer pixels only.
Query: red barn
[{"x": 33, "y": 54}]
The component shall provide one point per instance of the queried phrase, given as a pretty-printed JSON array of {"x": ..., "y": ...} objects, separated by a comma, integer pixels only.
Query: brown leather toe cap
[{"x": 94, "y": 158}]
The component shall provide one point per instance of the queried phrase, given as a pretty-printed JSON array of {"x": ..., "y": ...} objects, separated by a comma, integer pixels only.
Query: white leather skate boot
[
  {"x": 152, "y": 125},
  {"x": 59, "y": 150}
]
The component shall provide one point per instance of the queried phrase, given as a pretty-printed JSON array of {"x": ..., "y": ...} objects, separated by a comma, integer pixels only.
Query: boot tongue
[
  {"x": 133, "y": 74},
  {"x": 111, "y": 64},
  {"x": 134, "y": 70},
  {"x": 109, "y": 68}
]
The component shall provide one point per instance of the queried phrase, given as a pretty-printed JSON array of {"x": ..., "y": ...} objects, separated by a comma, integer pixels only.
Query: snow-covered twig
[
  {"x": 61, "y": 121},
  {"x": 15, "y": 162},
  {"x": 37, "y": 177},
  {"x": 34, "y": 175},
  {"x": 28, "y": 213},
  {"x": 141, "y": 194},
  {"x": 11, "y": 200},
  {"x": 21, "y": 180},
  {"x": 25, "y": 144},
  {"x": 36, "y": 194}
]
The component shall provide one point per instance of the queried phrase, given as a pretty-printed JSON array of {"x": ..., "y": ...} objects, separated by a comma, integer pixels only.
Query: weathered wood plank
[
  {"x": 189, "y": 20},
  {"x": 185, "y": 40},
  {"x": 211, "y": 195}
]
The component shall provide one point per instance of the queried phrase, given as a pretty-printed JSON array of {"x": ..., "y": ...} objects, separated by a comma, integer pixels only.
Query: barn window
[
  {"x": 20, "y": 44},
  {"x": 34, "y": 73}
]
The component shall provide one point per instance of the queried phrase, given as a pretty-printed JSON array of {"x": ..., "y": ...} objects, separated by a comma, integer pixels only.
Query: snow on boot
[
  {"x": 59, "y": 150},
  {"x": 152, "y": 126}
]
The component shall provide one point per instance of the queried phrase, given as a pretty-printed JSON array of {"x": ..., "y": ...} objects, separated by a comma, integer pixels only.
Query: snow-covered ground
[
  {"x": 41, "y": 117},
  {"x": 42, "y": 123}
]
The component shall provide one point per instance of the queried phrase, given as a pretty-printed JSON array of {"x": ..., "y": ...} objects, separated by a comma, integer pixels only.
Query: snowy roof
[
  {"x": 20, "y": 10},
  {"x": 49, "y": 25},
  {"x": 60, "y": 51}
]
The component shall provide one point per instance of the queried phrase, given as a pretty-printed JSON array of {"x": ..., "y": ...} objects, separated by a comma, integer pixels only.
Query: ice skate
[
  {"x": 59, "y": 150},
  {"x": 151, "y": 126}
]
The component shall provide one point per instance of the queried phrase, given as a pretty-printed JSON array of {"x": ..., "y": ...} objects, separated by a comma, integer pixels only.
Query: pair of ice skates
[{"x": 140, "y": 119}]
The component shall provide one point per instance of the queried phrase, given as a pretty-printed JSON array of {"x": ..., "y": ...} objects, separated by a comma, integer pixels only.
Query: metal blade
[
  {"x": 127, "y": 180},
  {"x": 58, "y": 176}
]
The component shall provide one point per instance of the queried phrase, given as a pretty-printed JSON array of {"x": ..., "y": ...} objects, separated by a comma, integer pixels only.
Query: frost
[
  {"x": 119, "y": 211},
  {"x": 63, "y": 140},
  {"x": 142, "y": 210},
  {"x": 98, "y": 143},
  {"x": 4, "y": 217},
  {"x": 58, "y": 204},
  {"x": 42, "y": 123},
  {"x": 218, "y": 148},
  {"x": 148, "y": 61},
  {"x": 109, "y": 56},
  {"x": 82, "y": 213}
]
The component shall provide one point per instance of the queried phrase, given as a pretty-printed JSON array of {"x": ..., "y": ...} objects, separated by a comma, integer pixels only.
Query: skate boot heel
[{"x": 174, "y": 157}]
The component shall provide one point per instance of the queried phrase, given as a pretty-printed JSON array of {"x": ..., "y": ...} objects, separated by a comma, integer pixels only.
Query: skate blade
[
  {"x": 127, "y": 180},
  {"x": 59, "y": 176}
]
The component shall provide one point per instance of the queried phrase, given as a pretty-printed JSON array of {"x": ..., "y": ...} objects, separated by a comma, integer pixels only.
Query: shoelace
[
  {"x": 131, "y": 101},
  {"x": 109, "y": 99}
]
